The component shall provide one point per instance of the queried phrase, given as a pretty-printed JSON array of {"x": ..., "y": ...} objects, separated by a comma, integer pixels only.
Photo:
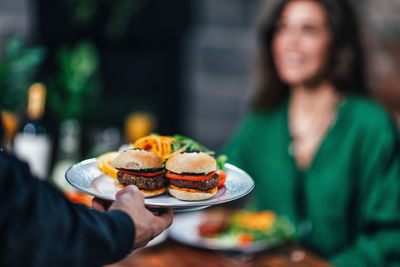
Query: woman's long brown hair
[{"x": 346, "y": 60}]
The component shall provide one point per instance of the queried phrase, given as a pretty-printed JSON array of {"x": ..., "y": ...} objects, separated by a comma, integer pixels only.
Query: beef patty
[
  {"x": 199, "y": 185},
  {"x": 142, "y": 182}
]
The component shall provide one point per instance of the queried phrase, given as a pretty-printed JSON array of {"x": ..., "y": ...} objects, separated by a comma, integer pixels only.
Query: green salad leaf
[
  {"x": 221, "y": 160},
  {"x": 189, "y": 144},
  {"x": 185, "y": 143}
]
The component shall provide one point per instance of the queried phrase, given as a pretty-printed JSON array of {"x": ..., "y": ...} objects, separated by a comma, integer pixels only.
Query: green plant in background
[
  {"x": 76, "y": 88},
  {"x": 18, "y": 68},
  {"x": 82, "y": 12},
  {"x": 121, "y": 15},
  {"x": 83, "y": 15}
]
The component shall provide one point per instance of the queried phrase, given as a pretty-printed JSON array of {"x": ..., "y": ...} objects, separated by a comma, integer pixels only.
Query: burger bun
[
  {"x": 191, "y": 162},
  {"x": 153, "y": 193},
  {"x": 137, "y": 159},
  {"x": 191, "y": 196}
]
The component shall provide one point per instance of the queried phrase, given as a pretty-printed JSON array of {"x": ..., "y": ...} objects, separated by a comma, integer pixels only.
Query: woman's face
[{"x": 301, "y": 42}]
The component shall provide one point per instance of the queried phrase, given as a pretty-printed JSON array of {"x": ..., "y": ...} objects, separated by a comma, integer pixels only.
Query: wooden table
[{"x": 170, "y": 253}]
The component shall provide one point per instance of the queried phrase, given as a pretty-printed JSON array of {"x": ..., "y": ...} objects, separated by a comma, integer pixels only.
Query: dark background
[{"x": 140, "y": 68}]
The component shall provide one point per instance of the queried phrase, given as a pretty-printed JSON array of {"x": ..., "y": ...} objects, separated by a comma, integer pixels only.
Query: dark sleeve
[{"x": 40, "y": 227}]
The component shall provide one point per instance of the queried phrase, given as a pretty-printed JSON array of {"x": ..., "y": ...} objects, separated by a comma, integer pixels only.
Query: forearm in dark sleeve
[{"x": 40, "y": 227}]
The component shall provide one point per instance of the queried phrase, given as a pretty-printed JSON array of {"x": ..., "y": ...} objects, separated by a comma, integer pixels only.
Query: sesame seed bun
[
  {"x": 191, "y": 162},
  {"x": 137, "y": 160}
]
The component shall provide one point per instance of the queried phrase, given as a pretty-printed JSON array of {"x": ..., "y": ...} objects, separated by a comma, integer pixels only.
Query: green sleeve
[{"x": 378, "y": 194}]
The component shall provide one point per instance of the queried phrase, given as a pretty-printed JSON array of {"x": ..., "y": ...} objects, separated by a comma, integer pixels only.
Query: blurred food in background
[
  {"x": 228, "y": 229},
  {"x": 243, "y": 228}
]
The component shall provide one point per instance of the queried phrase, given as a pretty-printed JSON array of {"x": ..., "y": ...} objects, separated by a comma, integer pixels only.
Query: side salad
[{"x": 243, "y": 228}]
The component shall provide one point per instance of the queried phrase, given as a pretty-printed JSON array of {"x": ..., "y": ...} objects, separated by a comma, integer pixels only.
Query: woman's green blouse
[{"x": 347, "y": 202}]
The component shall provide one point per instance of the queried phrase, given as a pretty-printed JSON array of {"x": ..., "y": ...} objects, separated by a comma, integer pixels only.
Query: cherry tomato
[{"x": 245, "y": 239}]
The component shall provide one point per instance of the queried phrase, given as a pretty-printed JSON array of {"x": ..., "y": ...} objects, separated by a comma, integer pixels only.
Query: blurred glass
[
  {"x": 138, "y": 124},
  {"x": 68, "y": 153},
  {"x": 103, "y": 140}
]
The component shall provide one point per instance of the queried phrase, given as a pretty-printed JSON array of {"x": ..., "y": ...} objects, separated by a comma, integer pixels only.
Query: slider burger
[
  {"x": 141, "y": 168},
  {"x": 192, "y": 176}
]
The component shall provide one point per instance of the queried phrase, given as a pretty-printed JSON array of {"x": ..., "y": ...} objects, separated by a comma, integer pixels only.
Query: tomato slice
[
  {"x": 245, "y": 239},
  {"x": 151, "y": 174},
  {"x": 172, "y": 175},
  {"x": 222, "y": 177}
]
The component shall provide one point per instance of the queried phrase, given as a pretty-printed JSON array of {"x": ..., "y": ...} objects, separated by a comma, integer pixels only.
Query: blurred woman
[{"x": 320, "y": 152}]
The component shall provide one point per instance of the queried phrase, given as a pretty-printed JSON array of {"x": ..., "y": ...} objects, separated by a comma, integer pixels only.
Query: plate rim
[{"x": 185, "y": 205}]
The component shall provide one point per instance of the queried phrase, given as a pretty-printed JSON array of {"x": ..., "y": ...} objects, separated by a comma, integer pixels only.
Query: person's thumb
[
  {"x": 129, "y": 189},
  {"x": 165, "y": 219}
]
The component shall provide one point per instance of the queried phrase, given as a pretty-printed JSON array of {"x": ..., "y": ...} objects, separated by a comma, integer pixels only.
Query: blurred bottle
[
  {"x": 32, "y": 142},
  {"x": 10, "y": 126},
  {"x": 68, "y": 153},
  {"x": 137, "y": 125}
]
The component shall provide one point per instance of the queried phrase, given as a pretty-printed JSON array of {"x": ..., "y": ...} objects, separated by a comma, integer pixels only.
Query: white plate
[
  {"x": 185, "y": 230},
  {"x": 158, "y": 239},
  {"x": 86, "y": 177}
]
